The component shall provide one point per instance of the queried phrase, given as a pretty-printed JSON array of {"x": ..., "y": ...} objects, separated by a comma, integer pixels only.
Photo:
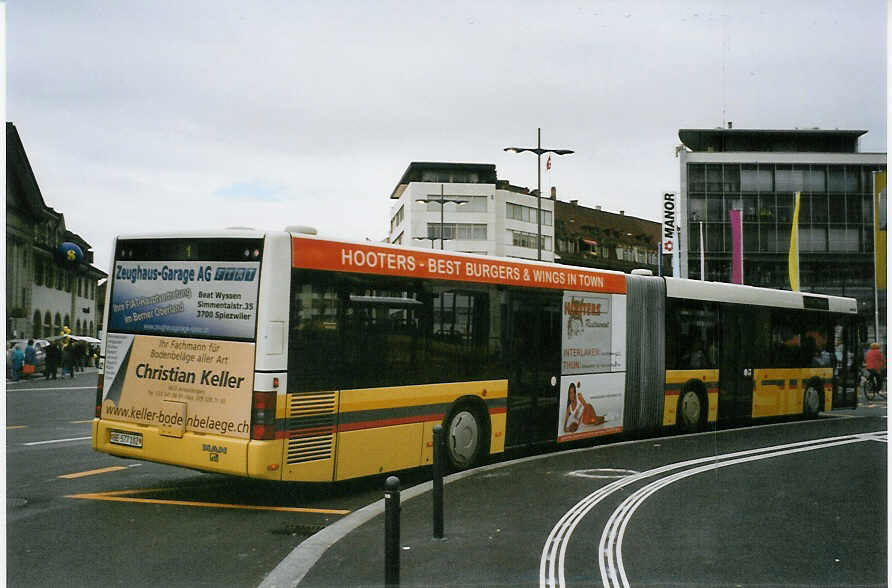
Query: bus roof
[{"x": 736, "y": 293}]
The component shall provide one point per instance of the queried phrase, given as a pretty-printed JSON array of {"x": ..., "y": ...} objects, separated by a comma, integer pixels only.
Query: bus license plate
[{"x": 122, "y": 438}]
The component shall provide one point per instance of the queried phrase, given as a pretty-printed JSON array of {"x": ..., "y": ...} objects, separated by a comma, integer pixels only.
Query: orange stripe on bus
[
  {"x": 320, "y": 254},
  {"x": 404, "y": 420}
]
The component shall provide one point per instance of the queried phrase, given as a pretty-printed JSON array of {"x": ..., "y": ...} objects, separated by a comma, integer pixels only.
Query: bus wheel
[
  {"x": 690, "y": 411},
  {"x": 464, "y": 438},
  {"x": 811, "y": 401}
]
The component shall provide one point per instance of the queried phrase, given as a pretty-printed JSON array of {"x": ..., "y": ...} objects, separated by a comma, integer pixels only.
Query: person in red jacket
[{"x": 875, "y": 362}]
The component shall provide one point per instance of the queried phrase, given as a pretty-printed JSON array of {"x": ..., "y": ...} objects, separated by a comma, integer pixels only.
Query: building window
[
  {"x": 38, "y": 272},
  {"x": 526, "y": 214},
  {"x": 471, "y": 204},
  {"x": 459, "y": 231},
  {"x": 35, "y": 324},
  {"x": 755, "y": 179},
  {"x": 47, "y": 325},
  {"x": 528, "y": 240},
  {"x": 397, "y": 219}
]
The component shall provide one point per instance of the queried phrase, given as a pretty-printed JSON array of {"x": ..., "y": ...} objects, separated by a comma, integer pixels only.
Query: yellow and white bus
[{"x": 287, "y": 356}]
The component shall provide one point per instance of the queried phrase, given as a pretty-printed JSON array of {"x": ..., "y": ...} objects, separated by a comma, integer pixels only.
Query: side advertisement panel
[
  {"x": 592, "y": 365},
  {"x": 179, "y": 384}
]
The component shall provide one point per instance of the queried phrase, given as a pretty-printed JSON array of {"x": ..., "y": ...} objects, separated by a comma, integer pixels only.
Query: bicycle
[{"x": 872, "y": 384}]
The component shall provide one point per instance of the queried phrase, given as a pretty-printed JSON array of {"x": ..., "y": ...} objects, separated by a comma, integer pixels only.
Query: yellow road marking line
[
  {"x": 16, "y": 427},
  {"x": 92, "y": 472},
  {"x": 116, "y": 497}
]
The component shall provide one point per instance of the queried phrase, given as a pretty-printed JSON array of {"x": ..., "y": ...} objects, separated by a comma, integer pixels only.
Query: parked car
[{"x": 39, "y": 348}]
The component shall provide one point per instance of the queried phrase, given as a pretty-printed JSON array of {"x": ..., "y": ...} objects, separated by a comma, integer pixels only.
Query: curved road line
[{"x": 551, "y": 568}]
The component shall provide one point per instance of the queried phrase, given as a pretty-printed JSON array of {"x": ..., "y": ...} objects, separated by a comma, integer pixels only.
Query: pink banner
[{"x": 736, "y": 246}]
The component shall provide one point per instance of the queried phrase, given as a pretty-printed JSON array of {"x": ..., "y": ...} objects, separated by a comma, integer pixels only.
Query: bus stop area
[{"x": 539, "y": 519}]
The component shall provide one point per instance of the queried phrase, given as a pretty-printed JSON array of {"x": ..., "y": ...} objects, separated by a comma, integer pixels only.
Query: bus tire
[
  {"x": 465, "y": 434},
  {"x": 691, "y": 413},
  {"x": 811, "y": 401}
]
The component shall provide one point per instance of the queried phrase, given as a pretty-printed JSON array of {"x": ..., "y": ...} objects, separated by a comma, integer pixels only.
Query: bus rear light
[
  {"x": 275, "y": 382},
  {"x": 263, "y": 416},
  {"x": 100, "y": 384}
]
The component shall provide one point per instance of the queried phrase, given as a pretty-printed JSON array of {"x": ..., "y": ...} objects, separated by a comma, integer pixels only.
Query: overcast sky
[{"x": 166, "y": 115}]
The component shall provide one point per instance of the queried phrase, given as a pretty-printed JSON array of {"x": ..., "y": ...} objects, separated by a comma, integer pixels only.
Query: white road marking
[
  {"x": 603, "y": 473},
  {"x": 551, "y": 566},
  {"x": 58, "y": 441}
]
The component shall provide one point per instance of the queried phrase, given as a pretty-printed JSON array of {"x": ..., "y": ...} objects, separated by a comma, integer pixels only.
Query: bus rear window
[{"x": 186, "y": 287}]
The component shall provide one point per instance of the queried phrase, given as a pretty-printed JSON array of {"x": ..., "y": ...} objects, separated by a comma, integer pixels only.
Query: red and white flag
[{"x": 548, "y": 163}]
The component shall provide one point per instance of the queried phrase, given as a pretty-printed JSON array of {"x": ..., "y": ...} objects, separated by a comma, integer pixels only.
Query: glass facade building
[{"x": 760, "y": 176}]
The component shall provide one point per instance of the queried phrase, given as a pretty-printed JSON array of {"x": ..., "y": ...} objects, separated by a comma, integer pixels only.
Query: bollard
[
  {"x": 438, "y": 481},
  {"x": 392, "y": 531}
]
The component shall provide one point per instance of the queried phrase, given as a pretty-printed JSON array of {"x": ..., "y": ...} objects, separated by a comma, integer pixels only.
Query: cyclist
[{"x": 875, "y": 363}]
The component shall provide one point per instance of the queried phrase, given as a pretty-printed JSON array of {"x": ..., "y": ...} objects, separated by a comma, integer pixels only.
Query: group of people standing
[{"x": 69, "y": 355}]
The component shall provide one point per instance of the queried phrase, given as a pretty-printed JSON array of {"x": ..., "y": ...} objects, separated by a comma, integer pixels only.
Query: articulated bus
[{"x": 287, "y": 356}]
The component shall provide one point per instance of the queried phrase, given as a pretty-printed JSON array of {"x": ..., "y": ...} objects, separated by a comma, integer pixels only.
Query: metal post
[
  {"x": 442, "y": 207},
  {"x": 392, "y": 531},
  {"x": 438, "y": 481},
  {"x": 539, "y": 192}
]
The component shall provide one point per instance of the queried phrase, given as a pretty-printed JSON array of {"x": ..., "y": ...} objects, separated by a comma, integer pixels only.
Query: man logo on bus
[{"x": 667, "y": 245}]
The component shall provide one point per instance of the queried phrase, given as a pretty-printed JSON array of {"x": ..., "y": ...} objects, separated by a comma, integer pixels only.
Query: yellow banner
[
  {"x": 793, "y": 261},
  {"x": 879, "y": 227}
]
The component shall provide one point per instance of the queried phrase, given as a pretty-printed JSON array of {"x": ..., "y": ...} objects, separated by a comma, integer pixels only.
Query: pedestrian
[
  {"x": 875, "y": 361},
  {"x": 18, "y": 360},
  {"x": 67, "y": 358},
  {"x": 10, "y": 347},
  {"x": 53, "y": 355},
  {"x": 30, "y": 354}
]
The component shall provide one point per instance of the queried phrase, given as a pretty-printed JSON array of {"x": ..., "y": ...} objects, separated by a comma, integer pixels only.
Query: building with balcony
[
  {"x": 759, "y": 173},
  {"x": 592, "y": 237},
  {"x": 45, "y": 290}
]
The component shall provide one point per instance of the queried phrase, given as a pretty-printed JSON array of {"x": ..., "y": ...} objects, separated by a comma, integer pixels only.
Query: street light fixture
[
  {"x": 442, "y": 201},
  {"x": 538, "y": 150}
]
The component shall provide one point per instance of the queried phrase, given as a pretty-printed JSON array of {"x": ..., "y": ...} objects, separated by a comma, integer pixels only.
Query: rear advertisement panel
[
  {"x": 179, "y": 384},
  {"x": 185, "y": 298},
  {"x": 592, "y": 394}
]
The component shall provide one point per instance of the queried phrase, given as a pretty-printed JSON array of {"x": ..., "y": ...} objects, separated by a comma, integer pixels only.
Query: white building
[{"x": 495, "y": 218}]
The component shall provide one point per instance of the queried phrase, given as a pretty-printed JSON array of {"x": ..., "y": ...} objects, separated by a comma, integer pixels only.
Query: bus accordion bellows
[{"x": 288, "y": 356}]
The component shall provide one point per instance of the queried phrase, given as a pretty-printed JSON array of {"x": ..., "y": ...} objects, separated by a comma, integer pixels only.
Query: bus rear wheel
[
  {"x": 690, "y": 411},
  {"x": 464, "y": 438},
  {"x": 811, "y": 401}
]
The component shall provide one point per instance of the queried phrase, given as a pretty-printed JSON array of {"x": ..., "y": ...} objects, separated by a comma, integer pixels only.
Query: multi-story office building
[
  {"x": 759, "y": 173},
  {"x": 493, "y": 218},
  {"x": 44, "y": 290}
]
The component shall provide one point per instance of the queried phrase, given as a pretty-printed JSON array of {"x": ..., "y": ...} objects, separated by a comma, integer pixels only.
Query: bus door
[
  {"x": 846, "y": 368},
  {"x": 534, "y": 343},
  {"x": 737, "y": 361}
]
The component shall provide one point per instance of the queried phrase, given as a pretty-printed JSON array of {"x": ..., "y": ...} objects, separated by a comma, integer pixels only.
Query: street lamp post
[
  {"x": 442, "y": 201},
  {"x": 538, "y": 150}
]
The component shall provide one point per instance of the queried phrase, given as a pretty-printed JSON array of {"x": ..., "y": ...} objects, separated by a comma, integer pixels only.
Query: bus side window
[
  {"x": 695, "y": 326},
  {"x": 314, "y": 343}
]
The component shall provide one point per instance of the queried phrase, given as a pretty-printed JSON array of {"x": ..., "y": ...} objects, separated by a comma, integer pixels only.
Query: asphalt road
[
  {"x": 80, "y": 518},
  {"x": 791, "y": 503}
]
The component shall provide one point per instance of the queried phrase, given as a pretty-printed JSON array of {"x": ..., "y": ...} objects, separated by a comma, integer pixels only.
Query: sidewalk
[
  {"x": 41, "y": 378},
  {"x": 492, "y": 537}
]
